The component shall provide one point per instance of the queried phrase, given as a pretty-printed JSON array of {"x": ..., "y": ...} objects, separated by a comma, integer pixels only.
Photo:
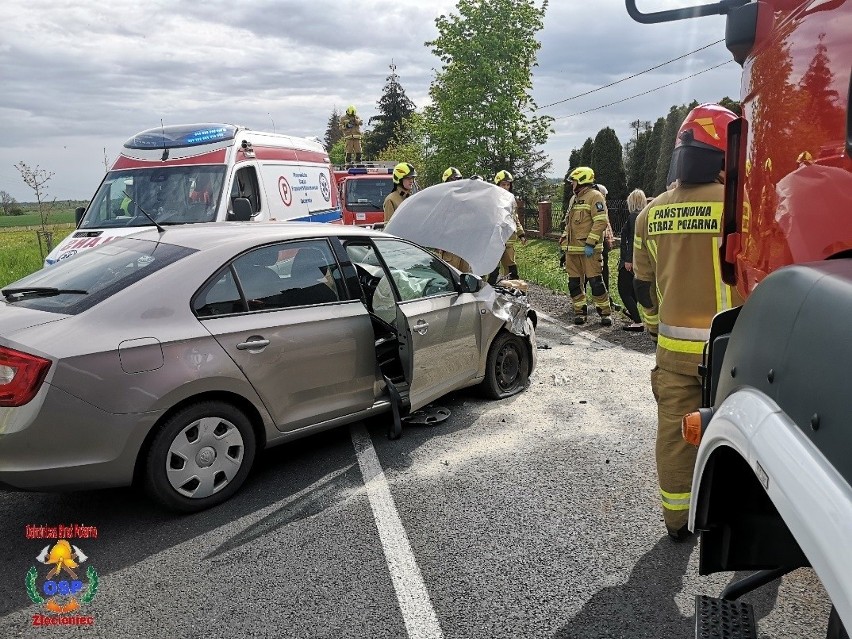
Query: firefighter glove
[{"x": 589, "y": 250}]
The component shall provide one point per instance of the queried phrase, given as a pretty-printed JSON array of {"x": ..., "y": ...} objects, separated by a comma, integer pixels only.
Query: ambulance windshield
[{"x": 170, "y": 195}]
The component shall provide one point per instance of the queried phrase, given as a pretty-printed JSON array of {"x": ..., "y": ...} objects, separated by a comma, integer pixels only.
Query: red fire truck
[
  {"x": 363, "y": 189},
  {"x": 771, "y": 490}
]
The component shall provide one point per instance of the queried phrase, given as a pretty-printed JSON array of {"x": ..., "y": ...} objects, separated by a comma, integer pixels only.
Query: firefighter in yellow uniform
[
  {"x": 504, "y": 180},
  {"x": 585, "y": 225},
  {"x": 403, "y": 183},
  {"x": 350, "y": 124},
  {"x": 678, "y": 283}
]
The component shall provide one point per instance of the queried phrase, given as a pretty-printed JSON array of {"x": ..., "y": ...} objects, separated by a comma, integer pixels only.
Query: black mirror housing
[
  {"x": 471, "y": 283},
  {"x": 78, "y": 214},
  {"x": 242, "y": 210}
]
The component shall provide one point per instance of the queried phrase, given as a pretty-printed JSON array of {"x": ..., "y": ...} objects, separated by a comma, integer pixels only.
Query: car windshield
[
  {"x": 74, "y": 284},
  {"x": 367, "y": 195},
  {"x": 171, "y": 195}
]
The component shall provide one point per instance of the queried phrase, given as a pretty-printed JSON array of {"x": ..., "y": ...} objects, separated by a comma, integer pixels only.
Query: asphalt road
[{"x": 530, "y": 517}]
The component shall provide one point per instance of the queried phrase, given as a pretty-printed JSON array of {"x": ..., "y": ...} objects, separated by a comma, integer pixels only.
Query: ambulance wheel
[
  {"x": 507, "y": 367},
  {"x": 199, "y": 457}
]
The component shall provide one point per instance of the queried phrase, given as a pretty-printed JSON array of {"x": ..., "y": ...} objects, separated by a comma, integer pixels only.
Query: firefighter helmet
[
  {"x": 350, "y": 110},
  {"x": 582, "y": 175},
  {"x": 702, "y": 140},
  {"x": 805, "y": 158},
  {"x": 503, "y": 176},
  {"x": 475, "y": 177},
  {"x": 402, "y": 171},
  {"x": 451, "y": 174}
]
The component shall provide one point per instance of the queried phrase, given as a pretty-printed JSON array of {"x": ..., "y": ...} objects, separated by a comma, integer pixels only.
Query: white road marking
[{"x": 414, "y": 603}]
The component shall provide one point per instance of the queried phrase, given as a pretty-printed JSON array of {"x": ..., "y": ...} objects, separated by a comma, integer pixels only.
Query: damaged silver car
[{"x": 170, "y": 357}]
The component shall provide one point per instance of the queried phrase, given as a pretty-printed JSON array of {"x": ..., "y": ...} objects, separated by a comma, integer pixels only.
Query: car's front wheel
[
  {"x": 200, "y": 456},
  {"x": 507, "y": 368}
]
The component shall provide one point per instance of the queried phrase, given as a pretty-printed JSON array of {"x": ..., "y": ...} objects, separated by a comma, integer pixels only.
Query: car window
[
  {"x": 378, "y": 292},
  {"x": 272, "y": 277},
  {"x": 415, "y": 272},
  {"x": 79, "y": 282}
]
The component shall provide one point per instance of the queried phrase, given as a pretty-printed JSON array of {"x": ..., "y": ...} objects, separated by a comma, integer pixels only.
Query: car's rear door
[{"x": 282, "y": 314}]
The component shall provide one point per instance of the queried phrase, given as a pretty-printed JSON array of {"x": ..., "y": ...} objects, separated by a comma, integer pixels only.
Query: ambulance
[{"x": 188, "y": 174}]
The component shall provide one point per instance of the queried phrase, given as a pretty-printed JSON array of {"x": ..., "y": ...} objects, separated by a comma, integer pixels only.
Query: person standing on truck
[
  {"x": 350, "y": 124},
  {"x": 403, "y": 182},
  {"x": 585, "y": 226},
  {"x": 676, "y": 261},
  {"x": 504, "y": 180}
]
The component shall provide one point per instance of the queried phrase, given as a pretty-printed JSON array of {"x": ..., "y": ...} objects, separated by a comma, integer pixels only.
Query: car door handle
[
  {"x": 421, "y": 327},
  {"x": 252, "y": 344}
]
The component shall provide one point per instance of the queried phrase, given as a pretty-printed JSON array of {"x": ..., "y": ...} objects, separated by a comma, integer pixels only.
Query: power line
[
  {"x": 612, "y": 84},
  {"x": 663, "y": 86}
]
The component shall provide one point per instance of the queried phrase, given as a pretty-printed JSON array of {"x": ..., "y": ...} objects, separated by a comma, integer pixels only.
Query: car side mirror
[
  {"x": 471, "y": 283},
  {"x": 242, "y": 210},
  {"x": 78, "y": 214}
]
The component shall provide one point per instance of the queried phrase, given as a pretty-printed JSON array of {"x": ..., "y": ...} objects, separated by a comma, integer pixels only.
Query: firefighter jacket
[
  {"x": 351, "y": 126},
  {"x": 676, "y": 255},
  {"x": 393, "y": 200},
  {"x": 586, "y": 220},
  {"x": 519, "y": 232}
]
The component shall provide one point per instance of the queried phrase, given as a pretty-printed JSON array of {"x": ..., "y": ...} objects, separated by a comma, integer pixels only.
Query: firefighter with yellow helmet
[
  {"x": 585, "y": 225},
  {"x": 505, "y": 180},
  {"x": 403, "y": 184},
  {"x": 350, "y": 124},
  {"x": 679, "y": 286},
  {"x": 451, "y": 175}
]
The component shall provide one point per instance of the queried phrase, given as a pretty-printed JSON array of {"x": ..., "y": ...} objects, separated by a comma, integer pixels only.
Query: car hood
[
  {"x": 470, "y": 218},
  {"x": 15, "y": 318}
]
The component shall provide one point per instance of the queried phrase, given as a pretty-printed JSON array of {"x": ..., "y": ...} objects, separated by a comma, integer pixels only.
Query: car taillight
[{"x": 21, "y": 376}]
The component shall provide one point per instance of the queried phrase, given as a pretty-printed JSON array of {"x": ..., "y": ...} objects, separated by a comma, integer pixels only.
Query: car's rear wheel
[
  {"x": 507, "y": 368},
  {"x": 200, "y": 456}
]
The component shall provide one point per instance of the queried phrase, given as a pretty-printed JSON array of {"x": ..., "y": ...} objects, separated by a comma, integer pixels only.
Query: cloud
[{"x": 81, "y": 78}]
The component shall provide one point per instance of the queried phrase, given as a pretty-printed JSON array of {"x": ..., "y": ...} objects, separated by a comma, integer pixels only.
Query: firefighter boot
[
  {"x": 513, "y": 272},
  {"x": 348, "y": 160},
  {"x": 580, "y": 315},
  {"x": 494, "y": 275},
  {"x": 358, "y": 158}
]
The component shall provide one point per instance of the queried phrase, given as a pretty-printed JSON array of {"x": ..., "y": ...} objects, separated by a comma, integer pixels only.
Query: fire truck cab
[{"x": 362, "y": 190}]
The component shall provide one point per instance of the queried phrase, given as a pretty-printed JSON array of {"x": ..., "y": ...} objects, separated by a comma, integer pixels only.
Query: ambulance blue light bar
[
  {"x": 361, "y": 170},
  {"x": 181, "y": 135}
]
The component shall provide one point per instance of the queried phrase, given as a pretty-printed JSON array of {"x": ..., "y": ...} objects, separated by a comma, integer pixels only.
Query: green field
[
  {"x": 19, "y": 253},
  {"x": 63, "y": 216}
]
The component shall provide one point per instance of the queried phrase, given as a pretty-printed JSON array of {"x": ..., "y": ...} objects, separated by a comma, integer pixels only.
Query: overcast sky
[{"x": 82, "y": 77}]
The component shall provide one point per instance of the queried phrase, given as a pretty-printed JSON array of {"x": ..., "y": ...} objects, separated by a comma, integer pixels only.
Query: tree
[
  {"x": 332, "y": 130},
  {"x": 337, "y": 152},
  {"x": 394, "y": 109},
  {"x": 636, "y": 151},
  {"x": 37, "y": 179},
  {"x": 667, "y": 142},
  {"x": 574, "y": 161},
  {"x": 649, "y": 172},
  {"x": 731, "y": 104},
  {"x": 586, "y": 152},
  {"x": 7, "y": 203},
  {"x": 482, "y": 118},
  {"x": 608, "y": 163},
  {"x": 410, "y": 143}
]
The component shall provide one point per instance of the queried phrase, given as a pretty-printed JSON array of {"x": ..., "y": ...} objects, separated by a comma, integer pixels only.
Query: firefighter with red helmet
[
  {"x": 678, "y": 282},
  {"x": 403, "y": 183},
  {"x": 504, "y": 180},
  {"x": 585, "y": 225}
]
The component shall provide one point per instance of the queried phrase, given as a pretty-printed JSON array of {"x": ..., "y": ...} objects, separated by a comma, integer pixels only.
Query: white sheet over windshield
[{"x": 470, "y": 218}]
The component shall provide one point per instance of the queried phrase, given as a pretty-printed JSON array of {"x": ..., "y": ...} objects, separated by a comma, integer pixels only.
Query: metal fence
[{"x": 618, "y": 214}]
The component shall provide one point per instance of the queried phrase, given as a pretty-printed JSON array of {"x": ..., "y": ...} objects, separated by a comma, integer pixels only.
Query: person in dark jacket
[{"x": 636, "y": 201}]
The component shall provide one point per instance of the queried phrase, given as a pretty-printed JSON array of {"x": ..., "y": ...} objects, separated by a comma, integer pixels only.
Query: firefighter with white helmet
[
  {"x": 585, "y": 225},
  {"x": 403, "y": 183},
  {"x": 505, "y": 180},
  {"x": 350, "y": 124},
  {"x": 676, "y": 261}
]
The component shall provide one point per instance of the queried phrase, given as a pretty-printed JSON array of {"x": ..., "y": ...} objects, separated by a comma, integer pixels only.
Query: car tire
[
  {"x": 507, "y": 367},
  {"x": 200, "y": 457}
]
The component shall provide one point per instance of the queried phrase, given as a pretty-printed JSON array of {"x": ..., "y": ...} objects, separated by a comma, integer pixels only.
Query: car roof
[{"x": 243, "y": 234}]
